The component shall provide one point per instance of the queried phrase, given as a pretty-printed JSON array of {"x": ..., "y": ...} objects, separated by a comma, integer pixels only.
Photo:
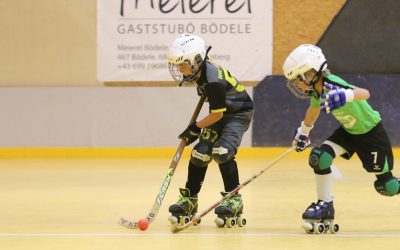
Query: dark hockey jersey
[{"x": 224, "y": 92}]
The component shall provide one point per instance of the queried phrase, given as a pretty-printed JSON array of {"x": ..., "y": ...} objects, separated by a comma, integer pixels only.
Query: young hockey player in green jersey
[
  {"x": 220, "y": 132},
  {"x": 360, "y": 131}
]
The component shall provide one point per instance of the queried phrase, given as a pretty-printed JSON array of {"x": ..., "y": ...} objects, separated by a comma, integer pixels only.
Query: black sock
[
  {"x": 195, "y": 178},
  {"x": 230, "y": 175}
]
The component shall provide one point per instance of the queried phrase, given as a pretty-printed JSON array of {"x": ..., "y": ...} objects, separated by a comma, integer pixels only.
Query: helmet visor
[
  {"x": 305, "y": 91},
  {"x": 178, "y": 74}
]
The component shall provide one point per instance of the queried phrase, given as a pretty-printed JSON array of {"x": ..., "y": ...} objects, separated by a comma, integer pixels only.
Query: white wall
[{"x": 97, "y": 116}]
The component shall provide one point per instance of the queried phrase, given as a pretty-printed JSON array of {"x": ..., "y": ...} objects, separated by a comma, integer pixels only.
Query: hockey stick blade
[
  {"x": 177, "y": 227},
  {"x": 167, "y": 180},
  {"x": 160, "y": 197},
  {"x": 127, "y": 223}
]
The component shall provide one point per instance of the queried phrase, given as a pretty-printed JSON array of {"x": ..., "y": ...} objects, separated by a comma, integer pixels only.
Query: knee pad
[
  {"x": 387, "y": 187},
  {"x": 320, "y": 160},
  {"x": 223, "y": 153},
  {"x": 201, "y": 154}
]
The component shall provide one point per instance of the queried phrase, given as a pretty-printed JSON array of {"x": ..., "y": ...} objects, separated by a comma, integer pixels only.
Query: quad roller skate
[
  {"x": 230, "y": 212},
  {"x": 319, "y": 218},
  {"x": 184, "y": 209}
]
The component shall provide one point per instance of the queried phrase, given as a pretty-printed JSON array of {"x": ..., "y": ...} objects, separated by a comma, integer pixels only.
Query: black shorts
[
  {"x": 228, "y": 130},
  {"x": 373, "y": 148}
]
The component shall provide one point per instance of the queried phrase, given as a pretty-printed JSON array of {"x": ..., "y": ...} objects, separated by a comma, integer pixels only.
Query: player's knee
[
  {"x": 201, "y": 154},
  {"x": 223, "y": 153},
  {"x": 387, "y": 186},
  {"x": 320, "y": 160}
]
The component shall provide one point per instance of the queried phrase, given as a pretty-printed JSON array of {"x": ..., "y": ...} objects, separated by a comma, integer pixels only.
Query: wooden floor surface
[{"x": 76, "y": 203}]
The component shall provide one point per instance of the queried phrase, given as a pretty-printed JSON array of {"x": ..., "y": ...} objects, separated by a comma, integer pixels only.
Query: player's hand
[
  {"x": 200, "y": 91},
  {"x": 335, "y": 98},
  {"x": 301, "y": 138},
  {"x": 191, "y": 133},
  {"x": 301, "y": 141}
]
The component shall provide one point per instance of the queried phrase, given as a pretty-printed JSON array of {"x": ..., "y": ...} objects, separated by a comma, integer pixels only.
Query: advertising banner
[{"x": 133, "y": 36}]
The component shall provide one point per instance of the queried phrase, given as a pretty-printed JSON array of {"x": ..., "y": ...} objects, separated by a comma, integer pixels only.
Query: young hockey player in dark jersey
[
  {"x": 360, "y": 131},
  {"x": 220, "y": 132}
]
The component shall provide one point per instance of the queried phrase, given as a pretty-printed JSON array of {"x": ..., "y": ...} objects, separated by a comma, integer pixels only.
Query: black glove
[
  {"x": 200, "y": 91},
  {"x": 191, "y": 133}
]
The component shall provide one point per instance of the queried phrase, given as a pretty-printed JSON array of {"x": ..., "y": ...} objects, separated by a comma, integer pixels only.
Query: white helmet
[
  {"x": 299, "y": 61},
  {"x": 188, "y": 49},
  {"x": 302, "y": 59}
]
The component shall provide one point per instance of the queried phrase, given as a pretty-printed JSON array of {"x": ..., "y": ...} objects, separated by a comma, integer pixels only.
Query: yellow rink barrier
[{"x": 139, "y": 153}]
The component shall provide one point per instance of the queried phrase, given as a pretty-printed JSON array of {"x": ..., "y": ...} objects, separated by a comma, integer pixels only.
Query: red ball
[{"x": 143, "y": 224}]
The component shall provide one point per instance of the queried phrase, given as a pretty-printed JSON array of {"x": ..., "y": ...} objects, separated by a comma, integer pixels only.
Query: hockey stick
[
  {"x": 177, "y": 227},
  {"x": 167, "y": 180}
]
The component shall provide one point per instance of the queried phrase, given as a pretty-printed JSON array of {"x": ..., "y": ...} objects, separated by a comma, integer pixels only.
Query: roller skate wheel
[
  {"x": 319, "y": 228},
  {"x": 172, "y": 219},
  {"x": 184, "y": 220},
  {"x": 241, "y": 221},
  {"x": 308, "y": 227},
  {"x": 334, "y": 228},
  {"x": 219, "y": 222},
  {"x": 231, "y": 222}
]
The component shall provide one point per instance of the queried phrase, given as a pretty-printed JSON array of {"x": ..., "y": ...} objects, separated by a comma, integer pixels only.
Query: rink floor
[{"x": 76, "y": 204}]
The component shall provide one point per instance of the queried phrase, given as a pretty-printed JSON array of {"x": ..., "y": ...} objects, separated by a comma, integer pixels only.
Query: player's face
[
  {"x": 302, "y": 85},
  {"x": 305, "y": 83},
  {"x": 185, "y": 69}
]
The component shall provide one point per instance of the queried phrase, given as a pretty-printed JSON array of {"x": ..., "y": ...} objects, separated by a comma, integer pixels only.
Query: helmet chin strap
[
  {"x": 200, "y": 66},
  {"x": 316, "y": 78}
]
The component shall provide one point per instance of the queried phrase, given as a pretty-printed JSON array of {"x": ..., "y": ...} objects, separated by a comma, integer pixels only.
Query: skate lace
[
  {"x": 183, "y": 200},
  {"x": 315, "y": 206},
  {"x": 235, "y": 203}
]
